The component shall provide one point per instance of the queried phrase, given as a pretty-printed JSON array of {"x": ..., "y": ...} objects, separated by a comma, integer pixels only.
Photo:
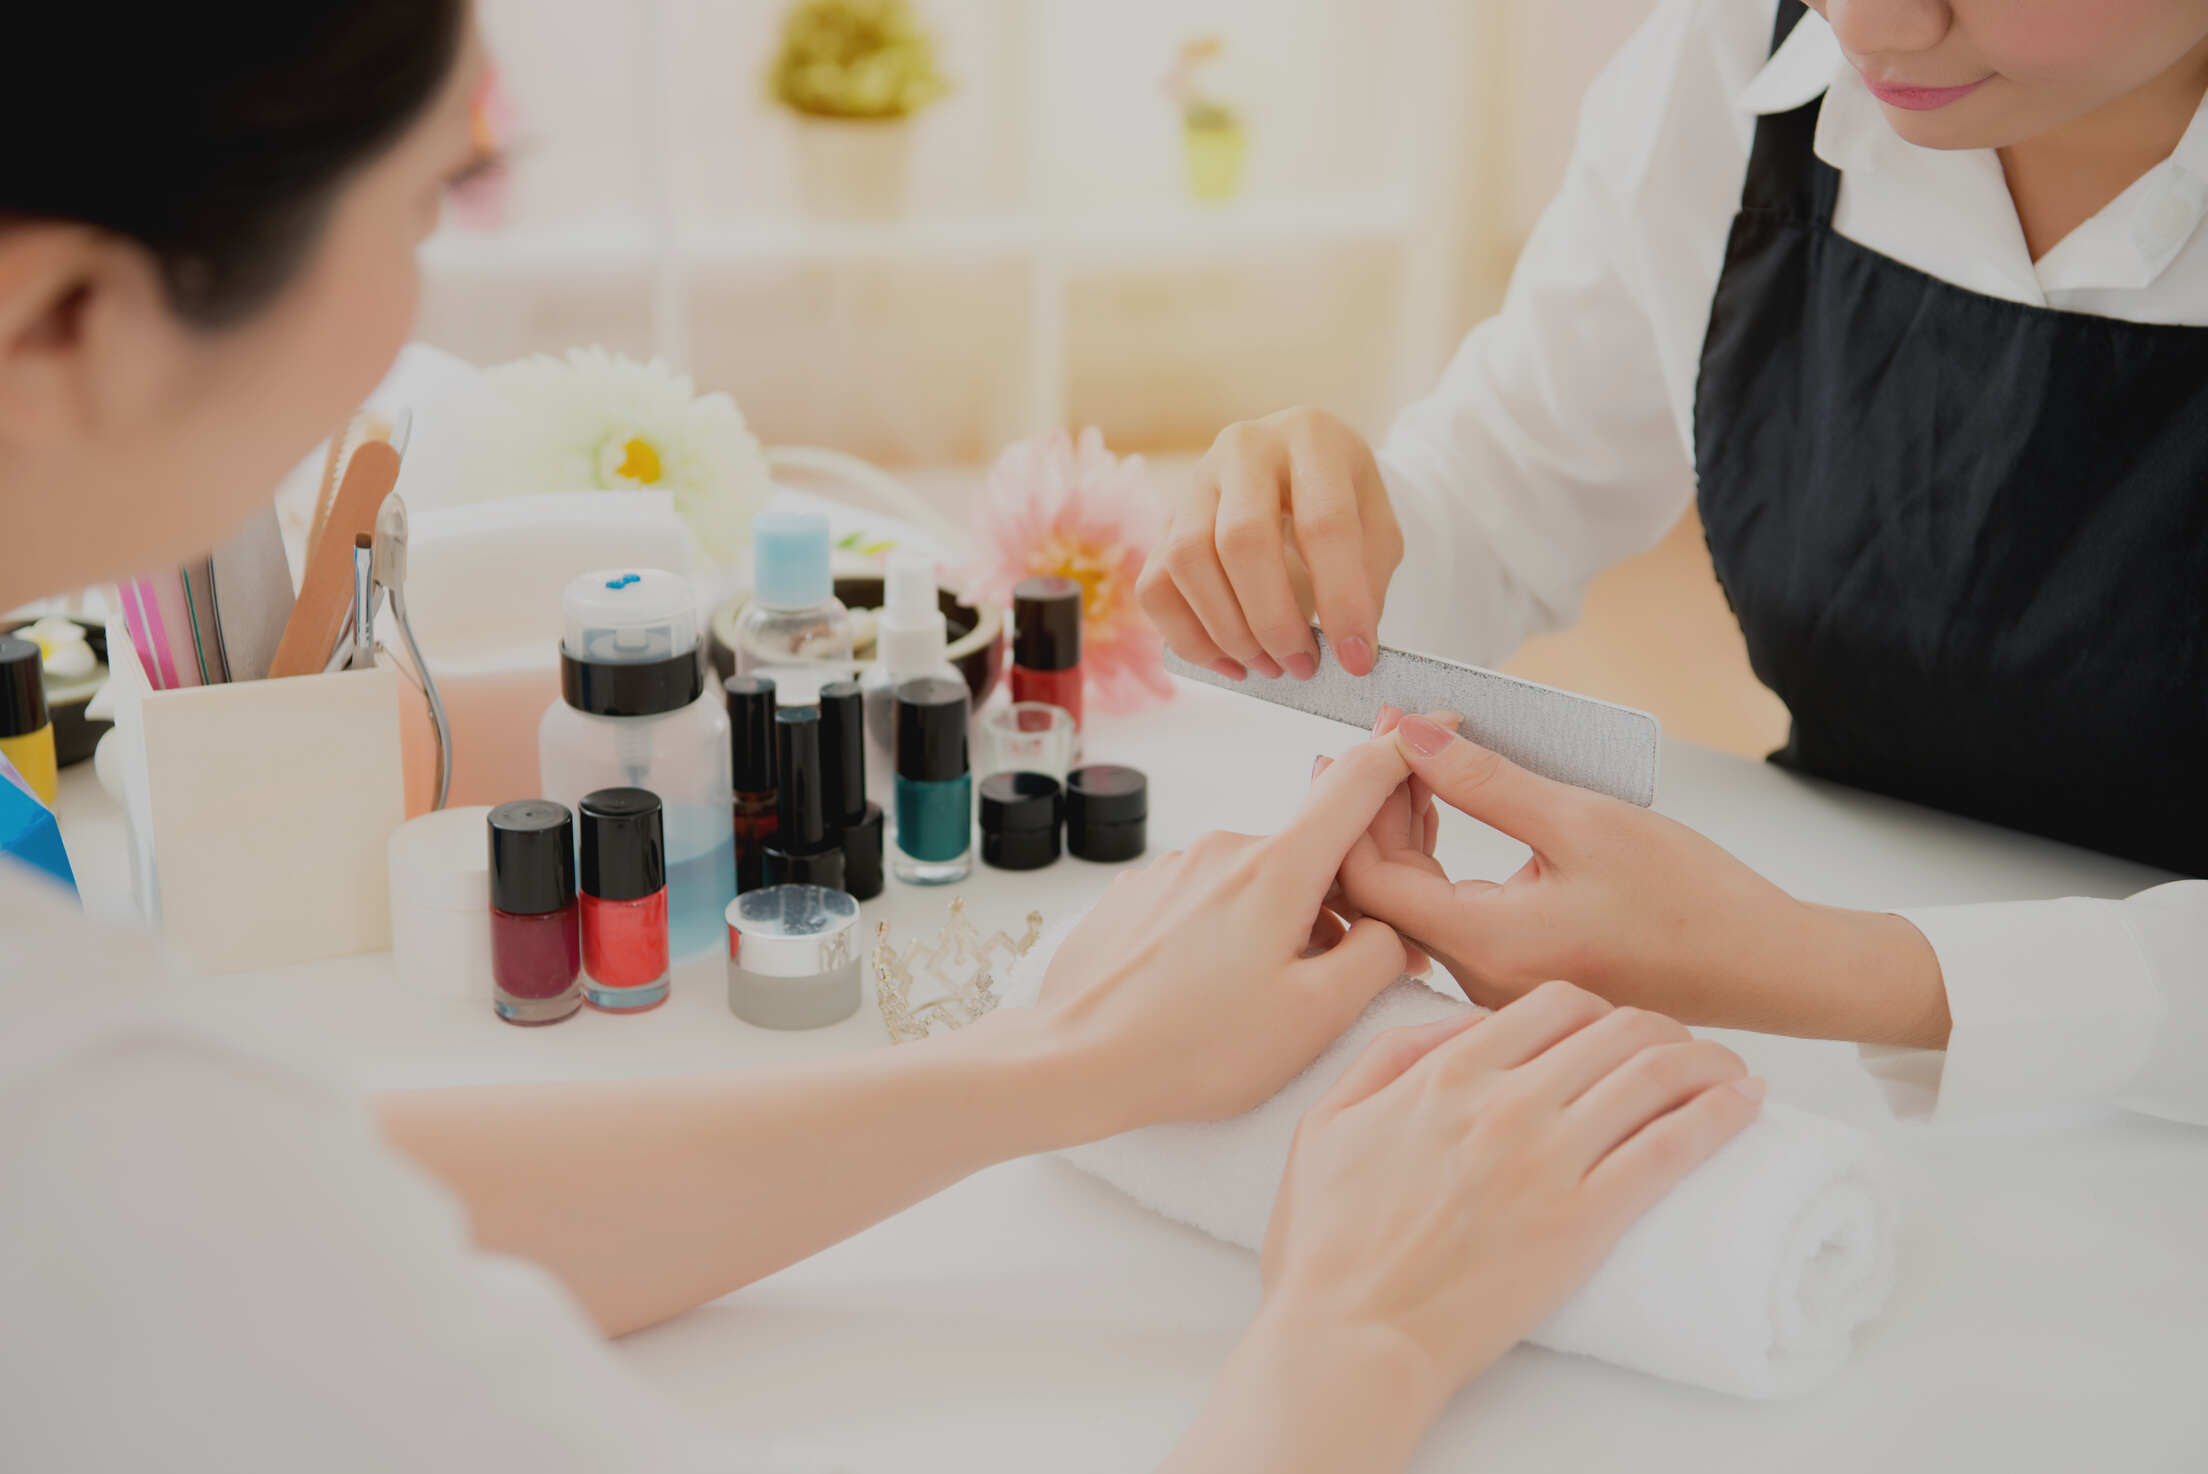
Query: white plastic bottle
[
  {"x": 795, "y": 631},
  {"x": 635, "y": 712},
  {"x": 908, "y": 643}
]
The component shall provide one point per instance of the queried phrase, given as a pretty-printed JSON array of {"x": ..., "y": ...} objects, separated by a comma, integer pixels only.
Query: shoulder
[{"x": 1670, "y": 94}]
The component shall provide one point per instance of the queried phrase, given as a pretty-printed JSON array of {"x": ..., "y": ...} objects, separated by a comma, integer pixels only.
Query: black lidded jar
[
  {"x": 1020, "y": 816},
  {"x": 1107, "y": 813}
]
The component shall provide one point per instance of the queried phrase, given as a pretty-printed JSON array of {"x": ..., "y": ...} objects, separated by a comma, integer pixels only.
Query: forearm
[
  {"x": 1299, "y": 1396},
  {"x": 649, "y": 1197}
]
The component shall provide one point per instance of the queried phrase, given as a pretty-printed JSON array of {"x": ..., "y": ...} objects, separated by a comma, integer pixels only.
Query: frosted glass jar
[{"x": 635, "y": 713}]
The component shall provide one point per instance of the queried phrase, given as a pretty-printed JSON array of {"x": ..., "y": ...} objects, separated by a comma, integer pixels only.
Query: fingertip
[
  {"x": 1265, "y": 666},
  {"x": 1302, "y": 666},
  {"x": 1355, "y": 654},
  {"x": 1228, "y": 667},
  {"x": 1385, "y": 719},
  {"x": 1750, "y": 1088}
]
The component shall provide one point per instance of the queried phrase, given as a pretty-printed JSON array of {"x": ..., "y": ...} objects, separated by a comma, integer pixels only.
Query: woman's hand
[
  {"x": 1635, "y": 907},
  {"x": 1454, "y": 1187},
  {"x": 1186, "y": 994},
  {"x": 1218, "y": 586}
]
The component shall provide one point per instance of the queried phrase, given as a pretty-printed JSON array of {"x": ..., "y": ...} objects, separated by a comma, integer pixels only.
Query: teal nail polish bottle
[{"x": 935, "y": 786}]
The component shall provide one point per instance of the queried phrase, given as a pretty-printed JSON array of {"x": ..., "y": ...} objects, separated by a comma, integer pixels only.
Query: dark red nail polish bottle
[
  {"x": 536, "y": 955},
  {"x": 1046, "y": 643},
  {"x": 624, "y": 900},
  {"x": 751, "y": 749}
]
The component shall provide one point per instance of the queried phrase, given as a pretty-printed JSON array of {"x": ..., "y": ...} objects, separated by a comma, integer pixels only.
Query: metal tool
[
  {"x": 1574, "y": 739},
  {"x": 390, "y": 577}
]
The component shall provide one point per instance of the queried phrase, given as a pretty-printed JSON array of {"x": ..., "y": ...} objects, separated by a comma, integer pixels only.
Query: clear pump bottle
[
  {"x": 795, "y": 632},
  {"x": 635, "y": 713},
  {"x": 908, "y": 645}
]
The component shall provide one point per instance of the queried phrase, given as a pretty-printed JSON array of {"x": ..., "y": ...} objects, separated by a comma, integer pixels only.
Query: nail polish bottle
[
  {"x": 806, "y": 848},
  {"x": 1046, "y": 643},
  {"x": 752, "y": 763},
  {"x": 843, "y": 750},
  {"x": 793, "y": 957},
  {"x": 935, "y": 794},
  {"x": 26, "y": 727},
  {"x": 1020, "y": 814},
  {"x": 1107, "y": 813},
  {"x": 624, "y": 900},
  {"x": 536, "y": 950}
]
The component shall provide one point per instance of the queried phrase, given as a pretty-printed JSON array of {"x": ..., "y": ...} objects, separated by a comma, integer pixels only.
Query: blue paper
[{"x": 27, "y": 829}]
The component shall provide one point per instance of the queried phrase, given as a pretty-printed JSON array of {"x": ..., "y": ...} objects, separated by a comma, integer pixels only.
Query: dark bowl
[
  {"x": 980, "y": 631},
  {"x": 74, "y": 735}
]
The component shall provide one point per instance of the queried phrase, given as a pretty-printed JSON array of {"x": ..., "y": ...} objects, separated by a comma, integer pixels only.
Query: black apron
[{"x": 1967, "y": 539}]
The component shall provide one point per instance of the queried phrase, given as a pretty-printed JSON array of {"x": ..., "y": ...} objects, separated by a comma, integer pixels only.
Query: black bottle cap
[
  {"x": 751, "y": 733},
  {"x": 931, "y": 729},
  {"x": 1046, "y": 623},
  {"x": 624, "y": 850},
  {"x": 862, "y": 855},
  {"x": 22, "y": 687},
  {"x": 843, "y": 752},
  {"x": 801, "y": 802},
  {"x": 532, "y": 857},
  {"x": 1107, "y": 812},
  {"x": 642, "y": 689},
  {"x": 1019, "y": 820},
  {"x": 823, "y": 868}
]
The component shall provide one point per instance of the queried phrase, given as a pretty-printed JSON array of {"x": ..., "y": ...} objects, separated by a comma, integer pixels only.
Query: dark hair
[{"x": 215, "y": 136}]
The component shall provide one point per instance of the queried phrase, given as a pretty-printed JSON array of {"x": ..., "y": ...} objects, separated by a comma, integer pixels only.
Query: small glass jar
[
  {"x": 536, "y": 950},
  {"x": 793, "y": 957},
  {"x": 795, "y": 631},
  {"x": 1027, "y": 737},
  {"x": 934, "y": 784}
]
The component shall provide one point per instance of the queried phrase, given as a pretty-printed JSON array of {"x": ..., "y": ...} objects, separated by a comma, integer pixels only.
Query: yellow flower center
[
  {"x": 639, "y": 462},
  {"x": 1091, "y": 567}
]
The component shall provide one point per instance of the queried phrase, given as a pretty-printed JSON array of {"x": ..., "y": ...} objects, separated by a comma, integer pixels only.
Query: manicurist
[
  {"x": 1911, "y": 296},
  {"x": 213, "y": 1258}
]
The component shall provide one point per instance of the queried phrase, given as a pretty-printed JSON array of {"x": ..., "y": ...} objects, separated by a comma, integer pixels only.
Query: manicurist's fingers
[
  {"x": 1255, "y": 557},
  {"x": 1487, "y": 785},
  {"x": 1653, "y": 1160},
  {"x": 1328, "y": 513},
  {"x": 1180, "y": 625}
]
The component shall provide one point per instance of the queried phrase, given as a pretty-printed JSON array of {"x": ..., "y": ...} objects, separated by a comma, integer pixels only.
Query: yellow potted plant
[
  {"x": 1211, "y": 130},
  {"x": 854, "y": 72}
]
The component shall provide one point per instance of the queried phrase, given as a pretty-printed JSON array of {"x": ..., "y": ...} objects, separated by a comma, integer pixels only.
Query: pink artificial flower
[{"x": 1073, "y": 509}]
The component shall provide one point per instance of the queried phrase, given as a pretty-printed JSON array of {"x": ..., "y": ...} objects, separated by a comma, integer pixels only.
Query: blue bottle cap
[{"x": 789, "y": 560}]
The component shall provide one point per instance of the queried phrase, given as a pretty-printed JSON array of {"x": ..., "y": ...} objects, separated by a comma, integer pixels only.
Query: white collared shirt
[{"x": 1561, "y": 440}]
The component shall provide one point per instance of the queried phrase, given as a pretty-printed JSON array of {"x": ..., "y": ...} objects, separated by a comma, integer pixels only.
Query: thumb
[
  {"x": 1485, "y": 784},
  {"x": 1351, "y": 973}
]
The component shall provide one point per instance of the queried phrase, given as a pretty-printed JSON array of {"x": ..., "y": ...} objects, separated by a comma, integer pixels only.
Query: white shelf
[{"x": 1191, "y": 230}]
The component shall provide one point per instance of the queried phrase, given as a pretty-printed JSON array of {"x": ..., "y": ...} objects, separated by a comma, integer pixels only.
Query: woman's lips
[{"x": 1921, "y": 99}]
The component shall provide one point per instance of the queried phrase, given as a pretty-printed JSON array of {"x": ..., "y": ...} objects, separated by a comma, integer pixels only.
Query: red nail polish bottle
[
  {"x": 624, "y": 900},
  {"x": 535, "y": 953},
  {"x": 1046, "y": 643}
]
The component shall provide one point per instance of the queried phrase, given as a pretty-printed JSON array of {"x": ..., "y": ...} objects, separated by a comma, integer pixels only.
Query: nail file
[{"x": 1573, "y": 739}]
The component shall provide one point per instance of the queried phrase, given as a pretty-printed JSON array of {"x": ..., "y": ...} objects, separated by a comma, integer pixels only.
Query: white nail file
[{"x": 1573, "y": 739}]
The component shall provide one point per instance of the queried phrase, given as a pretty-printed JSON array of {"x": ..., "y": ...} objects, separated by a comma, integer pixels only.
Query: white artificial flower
[{"x": 595, "y": 421}]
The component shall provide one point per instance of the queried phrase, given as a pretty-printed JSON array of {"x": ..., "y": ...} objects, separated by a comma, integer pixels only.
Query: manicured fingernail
[
  {"x": 1752, "y": 1089},
  {"x": 1447, "y": 719},
  {"x": 1356, "y": 654},
  {"x": 1318, "y": 765},
  {"x": 1302, "y": 666},
  {"x": 1380, "y": 719},
  {"x": 1265, "y": 666},
  {"x": 1422, "y": 736},
  {"x": 1228, "y": 668}
]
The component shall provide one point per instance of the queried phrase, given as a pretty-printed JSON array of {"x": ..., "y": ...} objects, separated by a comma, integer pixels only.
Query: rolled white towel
[{"x": 1749, "y": 1277}]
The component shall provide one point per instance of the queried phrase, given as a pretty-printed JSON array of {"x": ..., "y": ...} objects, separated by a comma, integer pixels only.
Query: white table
[{"x": 2051, "y": 1311}]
